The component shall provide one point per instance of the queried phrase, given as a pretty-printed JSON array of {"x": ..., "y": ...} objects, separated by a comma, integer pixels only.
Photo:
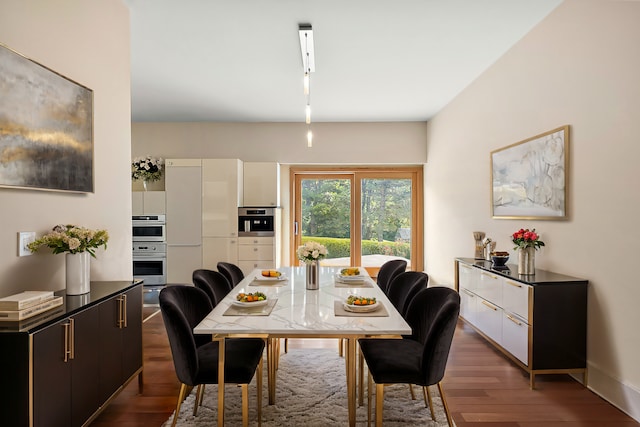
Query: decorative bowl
[{"x": 499, "y": 260}]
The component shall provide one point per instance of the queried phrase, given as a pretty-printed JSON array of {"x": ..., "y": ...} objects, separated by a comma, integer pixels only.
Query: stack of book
[{"x": 27, "y": 304}]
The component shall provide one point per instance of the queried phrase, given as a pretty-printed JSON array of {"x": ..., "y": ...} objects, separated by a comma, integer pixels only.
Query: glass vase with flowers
[
  {"x": 526, "y": 243},
  {"x": 311, "y": 253}
]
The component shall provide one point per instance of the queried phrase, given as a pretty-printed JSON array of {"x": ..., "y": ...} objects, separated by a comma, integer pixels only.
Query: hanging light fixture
[{"x": 305, "y": 33}]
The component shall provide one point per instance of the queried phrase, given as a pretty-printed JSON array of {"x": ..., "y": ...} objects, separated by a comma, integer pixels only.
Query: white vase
[
  {"x": 78, "y": 269},
  {"x": 527, "y": 261},
  {"x": 313, "y": 275}
]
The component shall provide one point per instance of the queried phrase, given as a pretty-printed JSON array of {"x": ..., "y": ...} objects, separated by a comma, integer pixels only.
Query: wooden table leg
[{"x": 351, "y": 379}]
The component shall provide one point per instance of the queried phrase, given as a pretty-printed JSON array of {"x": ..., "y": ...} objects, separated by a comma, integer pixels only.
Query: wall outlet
[{"x": 24, "y": 238}]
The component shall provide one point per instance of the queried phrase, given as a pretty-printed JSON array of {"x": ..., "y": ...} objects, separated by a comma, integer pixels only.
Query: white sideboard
[{"x": 539, "y": 321}]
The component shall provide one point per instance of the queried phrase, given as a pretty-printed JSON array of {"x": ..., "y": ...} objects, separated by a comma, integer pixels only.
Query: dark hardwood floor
[{"x": 483, "y": 388}]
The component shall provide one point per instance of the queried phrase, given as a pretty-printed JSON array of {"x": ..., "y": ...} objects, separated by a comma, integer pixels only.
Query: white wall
[
  {"x": 580, "y": 67},
  {"x": 86, "y": 41},
  {"x": 345, "y": 143}
]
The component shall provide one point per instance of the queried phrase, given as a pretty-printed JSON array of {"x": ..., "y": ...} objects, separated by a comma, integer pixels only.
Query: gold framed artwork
[
  {"x": 46, "y": 128},
  {"x": 529, "y": 178}
]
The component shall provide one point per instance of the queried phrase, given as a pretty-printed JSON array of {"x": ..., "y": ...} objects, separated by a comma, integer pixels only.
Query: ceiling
[{"x": 376, "y": 60}]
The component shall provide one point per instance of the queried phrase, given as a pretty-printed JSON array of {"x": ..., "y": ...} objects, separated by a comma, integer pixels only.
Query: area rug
[{"x": 310, "y": 391}]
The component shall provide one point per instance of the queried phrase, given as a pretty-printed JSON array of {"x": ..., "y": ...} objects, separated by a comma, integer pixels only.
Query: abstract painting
[
  {"x": 46, "y": 128},
  {"x": 529, "y": 178}
]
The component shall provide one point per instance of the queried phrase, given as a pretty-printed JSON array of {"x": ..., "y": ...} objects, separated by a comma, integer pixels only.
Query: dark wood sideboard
[
  {"x": 62, "y": 367},
  {"x": 539, "y": 321}
]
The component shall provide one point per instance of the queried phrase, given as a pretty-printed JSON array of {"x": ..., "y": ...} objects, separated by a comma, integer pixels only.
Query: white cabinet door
[
  {"x": 184, "y": 231},
  {"x": 515, "y": 297},
  {"x": 261, "y": 184},
  {"x": 181, "y": 262},
  {"x": 183, "y": 183},
  {"x": 148, "y": 202},
  {"x": 489, "y": 319},
  {"x": 248, "y": 266},
  {"x": 489, "y": 287},
  {"x": 153, "y": 202},
  {"x": 468, "y": 309},
  {"x": 467, "y": 276},
  {"x": 216, "y": 249},
  {"x": 515, "y": 336},
  {"x": 221, "y": 196}
]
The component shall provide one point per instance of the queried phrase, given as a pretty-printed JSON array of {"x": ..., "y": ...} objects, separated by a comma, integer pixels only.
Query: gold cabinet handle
[
  {"x": 124, "y": 310},
  {"x": 471, "y": 294},
  {"x": 72, "y": 338},
  {"x": 489, "y": 275},
  {"x": 514, "y": 320},
  {"x": 66, "y": 350},
  {"x": 516, "y": 284},
  {"x": 491, "y": 306}
]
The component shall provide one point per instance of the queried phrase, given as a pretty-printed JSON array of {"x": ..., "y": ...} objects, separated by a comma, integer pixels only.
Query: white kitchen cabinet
[
  {"x": 256, "y": 252},
  {"x": 221, "y": 196},
  {"x": 183, "y": 187},
  {"x": 148, "y": 202},
  {"x": 261, "y": 184},
  {"x": 539, "y": 321},
  {"x": 217, "y": 249}
]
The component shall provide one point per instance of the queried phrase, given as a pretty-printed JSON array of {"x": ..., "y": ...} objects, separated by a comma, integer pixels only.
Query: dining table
[{"x": 293, "y": 311}]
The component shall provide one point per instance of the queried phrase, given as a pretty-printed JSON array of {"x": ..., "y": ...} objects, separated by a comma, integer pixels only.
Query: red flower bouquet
[{"x": 525, "y": 238}]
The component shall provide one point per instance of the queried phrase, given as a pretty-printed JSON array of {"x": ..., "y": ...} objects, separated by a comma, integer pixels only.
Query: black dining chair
[
  {"x": 183, "y": 307},
  {"x": 213, "y": 283},
  {"x": 388, "y": 271},
  {"x": 404, "y": 287},
  {"x": 417, "y": 359},
  {"x": 232, "y": 272}
]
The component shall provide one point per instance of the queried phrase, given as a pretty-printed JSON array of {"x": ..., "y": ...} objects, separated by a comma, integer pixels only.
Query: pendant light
[{"x": 305, "y": 33}]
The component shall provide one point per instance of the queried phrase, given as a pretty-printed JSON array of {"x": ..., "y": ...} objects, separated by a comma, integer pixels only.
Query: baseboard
[{"x": 623, "y": 396}]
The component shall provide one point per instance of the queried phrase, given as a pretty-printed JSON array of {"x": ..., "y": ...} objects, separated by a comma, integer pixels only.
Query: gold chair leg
[
  {"x": 198, "y": 401},
  {"x": 245, "y": 405},
  {"x": 340, "y": 347},
  {"x": 379, "y": 403},
  {"x": 444, "y": 405},
  {"x": 369, "y": 390},
  {"x": 277, "y": 360},
  {"x": 427, "y": 396},
  {"x": 259, "y": 392},
  {"x": 413, "y": 395},
  {"x": 361, "y": 378},
  {"x": 181, "y": 395}
]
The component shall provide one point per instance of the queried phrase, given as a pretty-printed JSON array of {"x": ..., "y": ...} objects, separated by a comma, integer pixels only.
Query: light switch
[{"x": 24, "y": 238}]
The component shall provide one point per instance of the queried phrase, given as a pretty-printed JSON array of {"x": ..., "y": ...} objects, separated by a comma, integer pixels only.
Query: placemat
[
  {"x": 269, "y": 283},
  {"x": 364, "y": 284},
  {"x": 263, "y": 310},
  {"x": 339, "y": 310}
]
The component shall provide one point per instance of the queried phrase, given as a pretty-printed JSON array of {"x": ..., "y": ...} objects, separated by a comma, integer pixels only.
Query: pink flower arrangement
[{"x": 525, "y": 238}]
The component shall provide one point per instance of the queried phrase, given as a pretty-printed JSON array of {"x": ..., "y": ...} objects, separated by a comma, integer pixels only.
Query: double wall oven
[{"x": 150, "y": 254}]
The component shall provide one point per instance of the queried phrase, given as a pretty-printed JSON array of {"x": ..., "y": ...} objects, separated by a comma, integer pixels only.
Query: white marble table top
[{"x": 302, "y": 312}]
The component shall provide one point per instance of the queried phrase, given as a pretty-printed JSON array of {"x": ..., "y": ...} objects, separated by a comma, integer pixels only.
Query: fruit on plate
[
  {"x": 357, "y": 300},
  {"x": 271, "y": 273},
  {"x": 252, "y": 297},
  {"x": 351, "y": 271}
]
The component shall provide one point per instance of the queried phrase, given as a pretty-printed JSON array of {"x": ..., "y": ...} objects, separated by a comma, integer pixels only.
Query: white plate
[
  {"x": 261, "y": 278},
  {"x": 361, "y": 308},
  {"x": 250, "y": 304},
  {"x": 351, "y": 279}
]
